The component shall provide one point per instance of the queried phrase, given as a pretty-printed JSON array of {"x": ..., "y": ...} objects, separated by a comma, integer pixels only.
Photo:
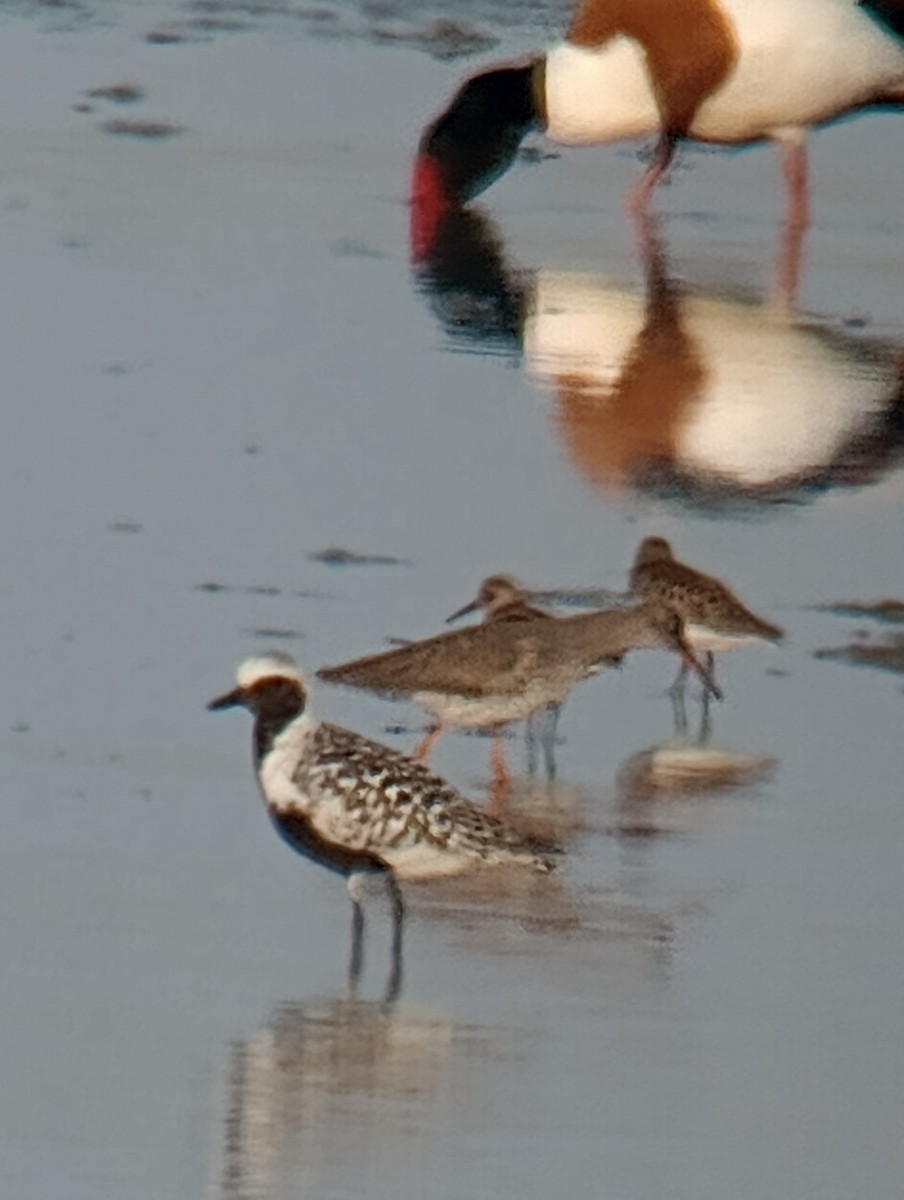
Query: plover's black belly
[{"x": 298, "y": 832}]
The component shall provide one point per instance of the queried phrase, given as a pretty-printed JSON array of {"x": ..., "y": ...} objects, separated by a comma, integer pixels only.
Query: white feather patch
[{"x": 266, "y": 666}]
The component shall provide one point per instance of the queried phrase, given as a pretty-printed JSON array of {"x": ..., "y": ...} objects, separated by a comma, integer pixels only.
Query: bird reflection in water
[
  {"x": 702, "y": 399},
  {"x": 326, "y": 1080},
  {"x": 668, "y": 787},
  {"x": 338, "y": 1089}
]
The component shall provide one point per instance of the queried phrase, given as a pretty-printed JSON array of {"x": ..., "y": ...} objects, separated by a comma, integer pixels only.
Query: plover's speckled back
[
  {"x": 714, "y": 618},
  {"x": 358, "y": 807}
]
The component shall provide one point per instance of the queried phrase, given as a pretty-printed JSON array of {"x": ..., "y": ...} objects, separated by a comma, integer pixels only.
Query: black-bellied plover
[{"x": 360, "y": 808}]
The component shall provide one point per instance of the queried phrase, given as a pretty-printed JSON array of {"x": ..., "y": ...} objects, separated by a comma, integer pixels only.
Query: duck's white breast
[
  {"x": 797, "y": 63},
  {"x": 800, "y": 62}
]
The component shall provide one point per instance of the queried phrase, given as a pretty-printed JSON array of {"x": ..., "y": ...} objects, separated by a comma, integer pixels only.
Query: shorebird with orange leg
[
  {"x": 360, "y": 808},
  {"x": 503, "y": 598},
  {"x": 498, "y": 672},
  {"x": 715, "y": 620},
  {"x": 726, "y": 72}
]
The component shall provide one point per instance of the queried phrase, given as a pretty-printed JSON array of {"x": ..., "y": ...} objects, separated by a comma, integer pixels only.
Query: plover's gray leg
[
  {"x": 356, "y": 957},
  {"x": 394, "y": 986}
]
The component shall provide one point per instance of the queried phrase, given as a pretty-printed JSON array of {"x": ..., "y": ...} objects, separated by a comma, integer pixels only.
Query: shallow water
[{"x": 218, "y": 363}]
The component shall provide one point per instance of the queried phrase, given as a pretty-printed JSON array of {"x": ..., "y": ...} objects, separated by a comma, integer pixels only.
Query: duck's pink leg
[{"x": 639, "y": 196}]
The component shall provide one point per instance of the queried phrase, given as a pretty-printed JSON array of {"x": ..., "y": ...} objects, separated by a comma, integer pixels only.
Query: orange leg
[
  {"x": 422, "y": 751},
  {"x": 501, "y": 782}
]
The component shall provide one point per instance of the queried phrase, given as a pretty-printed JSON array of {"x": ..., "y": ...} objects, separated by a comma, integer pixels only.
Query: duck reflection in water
[{"x": 701, "y": 399}]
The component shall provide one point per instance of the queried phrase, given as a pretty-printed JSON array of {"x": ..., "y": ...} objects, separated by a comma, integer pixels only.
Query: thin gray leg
[
  {"x": 679, "y": 710},
  {"x": 531, "y": 741},
  {"x": 550, "y": 730},
  {"x": 394, "y": 986},
  {"x": 677, "y": 688},
  {"x": 356, "y": 957},
  {"x": 705, "y": 721}
]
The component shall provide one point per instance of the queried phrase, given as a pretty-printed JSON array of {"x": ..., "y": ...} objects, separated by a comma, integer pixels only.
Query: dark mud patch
[
  {"x": 269, "y": 631},
  {"x": 167, "y": 37},
  {"x": 533, "y": 154},
  {"x": 148, "y": 131},
  {"x": 322, "y": 16},
  {"x": 122, "y": 368},
  {"x": 217, "y": 25},
  {"x": 337, "y": 556},
  {"x": 351, "y": 248},
  {"x": 883, "y": 655},
  {"x": 117, "y": 93},
  {"x": 213, "y": 588},
  {"x": 888, "y": 611},
  {"x": 441, "y": 39},
  {"x": 211, "y": 18}
]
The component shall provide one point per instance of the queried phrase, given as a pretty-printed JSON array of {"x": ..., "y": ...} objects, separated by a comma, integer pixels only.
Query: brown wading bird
[
  {"x": 502, "y": 671},
  {"x": 360, "y": 808},
  {"x": 714, "y": 618},
  {"x": 726, "y": 72},
  {"x": 502, "y": 598}
]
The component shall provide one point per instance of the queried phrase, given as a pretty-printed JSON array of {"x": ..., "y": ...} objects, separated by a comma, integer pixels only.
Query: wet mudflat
[{"x": 237, "y": 419}]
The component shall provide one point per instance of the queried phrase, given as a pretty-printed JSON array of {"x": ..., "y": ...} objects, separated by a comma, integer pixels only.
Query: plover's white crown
[{"x": 266, "y": 666}]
